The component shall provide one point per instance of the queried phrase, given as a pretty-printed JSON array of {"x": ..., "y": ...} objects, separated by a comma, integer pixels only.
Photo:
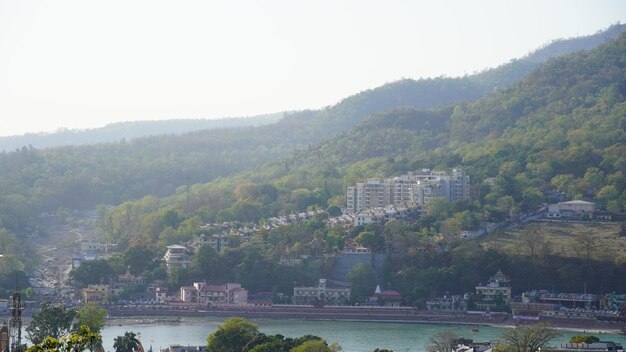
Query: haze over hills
[
  {"x": 423, "y": 93},
  {"x": 118, "y": 131}
]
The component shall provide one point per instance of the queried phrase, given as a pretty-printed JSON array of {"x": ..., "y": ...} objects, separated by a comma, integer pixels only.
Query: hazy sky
[{"x": 85, "y": 63}]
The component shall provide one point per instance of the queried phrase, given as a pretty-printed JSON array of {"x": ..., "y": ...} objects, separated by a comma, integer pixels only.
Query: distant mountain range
[
  {"x": 423, "y": 93},
  {"x": 127, "y": 131}
]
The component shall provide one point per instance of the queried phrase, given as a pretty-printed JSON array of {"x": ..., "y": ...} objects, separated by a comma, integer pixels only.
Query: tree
[
  {"x": 233, "y": 335},
  {"x": 77, "y": 341},
  {"x": 366, "y": 239},
  {"x": 442, "y": 341},
  {"x": 52, "y": 321},
  {"x": 362, "y": 279},
  {"x": 92, "y": 272},
  {"x": 316, "y": 346},
  {"x": 137, "y": 259},
  {"x": 529, "y": 338},
  {"x": 583, "y": 339},
  {"x": 204, "y": 262},
  {"x": 92, "y": 316},
  {"x": 126, "y": 343},
  {"x": 533, "y": 239}
]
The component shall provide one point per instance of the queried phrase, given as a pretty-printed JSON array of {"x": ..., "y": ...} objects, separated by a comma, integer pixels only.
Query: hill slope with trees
[
  {"x": 80, "y": 177},
  {"x": 561, "y": 128}
]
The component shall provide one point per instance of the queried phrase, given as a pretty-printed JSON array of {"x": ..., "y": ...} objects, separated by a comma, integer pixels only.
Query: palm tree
[{"x": 127, "y": 343}]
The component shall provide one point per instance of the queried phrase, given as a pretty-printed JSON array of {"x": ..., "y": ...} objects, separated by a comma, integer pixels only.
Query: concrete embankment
[{"x": 398, "y": 315}]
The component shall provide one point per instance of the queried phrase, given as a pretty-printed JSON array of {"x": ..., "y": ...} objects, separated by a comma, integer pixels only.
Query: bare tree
[
  {"x": 534, "y": 240},
  {"x": 442, "y": 341},
  {"x": 529, "y": 338}
]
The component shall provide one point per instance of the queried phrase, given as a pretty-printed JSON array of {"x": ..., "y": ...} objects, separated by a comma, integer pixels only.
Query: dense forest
[
  {"x": 561, "y": 128},
  {"x": 80, "y": 177}
]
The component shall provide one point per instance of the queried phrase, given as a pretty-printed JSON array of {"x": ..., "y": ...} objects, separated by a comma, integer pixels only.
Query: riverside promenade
[{"x": 351, "y": 313}]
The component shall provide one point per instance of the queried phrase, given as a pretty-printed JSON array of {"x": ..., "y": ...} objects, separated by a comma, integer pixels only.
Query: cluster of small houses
[{"x": 468, "y": 345}]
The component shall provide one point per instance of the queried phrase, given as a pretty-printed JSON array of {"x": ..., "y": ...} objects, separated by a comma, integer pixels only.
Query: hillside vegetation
[
  {"x": 561, "y": 128},
  {"x": 81, "y": 177}
]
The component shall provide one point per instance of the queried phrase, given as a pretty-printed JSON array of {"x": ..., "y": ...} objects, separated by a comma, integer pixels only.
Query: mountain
[
  {"x": 115, "y": 132},
  {"x": 406, "y": 93},
  {"x": 561, "y": 128},
  {"x": 80, "y": 177}
]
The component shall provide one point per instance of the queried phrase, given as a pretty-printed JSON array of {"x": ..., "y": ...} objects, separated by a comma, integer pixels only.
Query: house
[
  {"x": 217, "y": 242},
  {"x": 160, "y": 293},
  {"x": 321, "y": 294},
  {"x": 386, "y": 298},
  {"x": 176, "y": 257},
  {"x": 446, "y": 302},
  {"x": 96, "y": 294},
  {"x": 204, "y": 294},
  {"x": 189, "y": 294},
  {"x": 571, "y": 209},
  {"x": 88, "y": 246},
  {"x": 497, "y": 290}
]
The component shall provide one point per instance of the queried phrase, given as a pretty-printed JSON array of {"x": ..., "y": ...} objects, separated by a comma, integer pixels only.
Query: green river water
[{"x": 352, "y": 336}]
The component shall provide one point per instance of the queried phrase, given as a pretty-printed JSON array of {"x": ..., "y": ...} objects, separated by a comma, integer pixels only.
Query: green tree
[
  {"x": 204, "y": 263},
  {"x": 583, "y": 339},
  {"x": 50, "y": 321},
  {"x": 362, "y": 279},
  {"x": 77, "y": 341},
  {"x": 126, "y": 343},
  {"x": 92, "y": 316},
  {"x": 529, "y": 338},
  {"x": 318, "y": 345},
  {"x": 92, "y": 272},
  {"x": 366, "y": 239},
  {"x": 232, "y": 335},
  {"x": 137, "y": 259}
]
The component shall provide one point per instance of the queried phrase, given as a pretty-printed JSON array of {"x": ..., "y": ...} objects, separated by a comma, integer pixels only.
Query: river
[{"x": 352, "y": 336}]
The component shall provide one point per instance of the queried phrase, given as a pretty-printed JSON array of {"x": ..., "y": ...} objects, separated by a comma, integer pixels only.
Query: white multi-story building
[
  {"x": 409, "y": 190},
  {"x": 321, "y": 294},
  {"x": 176, "y": 257}
]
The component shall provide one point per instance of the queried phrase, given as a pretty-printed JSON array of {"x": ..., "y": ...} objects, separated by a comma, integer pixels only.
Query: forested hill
[
  {"x": 33, "y": 180},
  {"x": 116, "y": 132},
  {"x": 561, "y": 128}
]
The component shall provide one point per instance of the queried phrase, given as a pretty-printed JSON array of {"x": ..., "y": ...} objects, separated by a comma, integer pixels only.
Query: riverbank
[{"x": 355, "y": 314}]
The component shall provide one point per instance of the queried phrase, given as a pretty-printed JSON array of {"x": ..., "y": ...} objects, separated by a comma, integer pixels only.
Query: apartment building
[{"x": 410, "y": 190}]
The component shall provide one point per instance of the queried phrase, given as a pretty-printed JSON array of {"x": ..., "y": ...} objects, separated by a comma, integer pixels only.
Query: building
[
  {"x": 380, "y": 215},
  {"x": 88, "y": 246},
  {"x": 321, "y": 294},
  {"x": 446, "y": 302},
  {"x": 215, "y": 241},
  {"x": 496, "y": 291},
  {"x": 205, "y": 294},
  {"x": 600, "y": 346},
  {"x": 96, "y": 294},
  {"x": 386, "y": 298},
  {"x": 408, "y": 191},
  {"x": 176, "y": 257},
  {"x": 571, "y": 209},
  {"x": 544, "y": 304}
]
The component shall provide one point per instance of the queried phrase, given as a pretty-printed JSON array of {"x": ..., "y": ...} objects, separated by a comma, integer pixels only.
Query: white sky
[{"x": 85, "y": 63}]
